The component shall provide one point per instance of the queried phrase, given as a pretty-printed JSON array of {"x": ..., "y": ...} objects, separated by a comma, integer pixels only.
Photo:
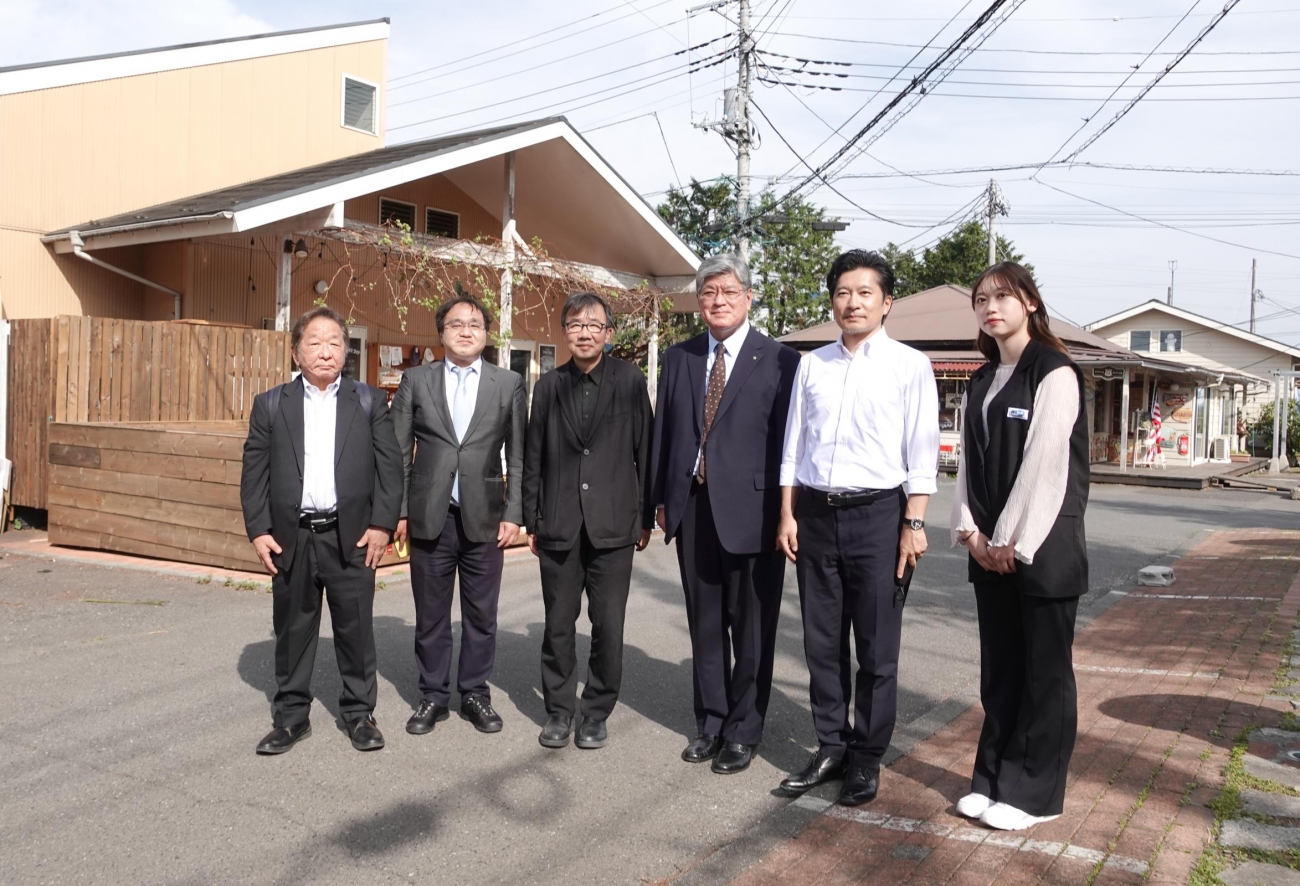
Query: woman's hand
[{"x": 1003, "y": 558}]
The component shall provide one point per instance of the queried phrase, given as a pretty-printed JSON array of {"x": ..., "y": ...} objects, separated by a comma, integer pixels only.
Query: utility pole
[
  {"x": 1173, "y": 265},
  {"x": 735, "y": 124},
  {"x": 1254, "y": 294},
  {"x": 997, "y": 205}
]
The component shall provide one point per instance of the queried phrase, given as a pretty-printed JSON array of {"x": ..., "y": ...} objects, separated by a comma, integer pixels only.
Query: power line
[
  {"x": 1125, "y": 167},
  {"x": 667, "y": 150},
  {"x": 846, "y": 64},
  {"x": 1041, "y": 98},
  {"x": 1037, "y": 51},
  {"x": 805, "y": 72}
]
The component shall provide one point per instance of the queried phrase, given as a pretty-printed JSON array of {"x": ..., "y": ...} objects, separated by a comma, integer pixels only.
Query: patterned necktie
[
  {"x": 717, "y": 381},
  {"x": 461, "y": 412}
]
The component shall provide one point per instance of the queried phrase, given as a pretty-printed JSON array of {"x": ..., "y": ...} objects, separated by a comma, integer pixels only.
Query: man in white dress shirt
[{"x": 859, "y": 465}]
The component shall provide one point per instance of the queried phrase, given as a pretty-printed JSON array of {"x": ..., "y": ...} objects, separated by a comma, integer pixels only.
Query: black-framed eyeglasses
[{"x": 577, "y": 327}]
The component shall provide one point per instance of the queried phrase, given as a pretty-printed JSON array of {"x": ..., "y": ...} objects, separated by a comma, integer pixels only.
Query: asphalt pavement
[{"x": 133, "y": 702}]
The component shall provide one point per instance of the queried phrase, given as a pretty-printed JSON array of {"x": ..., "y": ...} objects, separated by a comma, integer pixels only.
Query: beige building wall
[
  {"x": 85, "y": 151},
  {"x": 1207, "y": 347}
]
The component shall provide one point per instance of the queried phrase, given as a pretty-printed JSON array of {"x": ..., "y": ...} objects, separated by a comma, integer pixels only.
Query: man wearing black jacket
[
  {"x": 321, "y": 489},
  {"x": 584, "y": 471}
]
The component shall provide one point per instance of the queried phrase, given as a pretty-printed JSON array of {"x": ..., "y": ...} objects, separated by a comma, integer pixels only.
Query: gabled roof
[
  {"x": 67, "y": 72},
  {"x": 558, "y": 169},
  {"x": 1188, "y": 316}
]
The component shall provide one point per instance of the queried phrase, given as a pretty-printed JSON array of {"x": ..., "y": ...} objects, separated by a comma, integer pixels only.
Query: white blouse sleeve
[
  {"x": 1039, "y": 490},
  {"x": 962, "y": 519}
]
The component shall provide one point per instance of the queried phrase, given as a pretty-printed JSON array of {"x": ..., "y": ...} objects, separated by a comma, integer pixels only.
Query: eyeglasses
[
  {"x": 715, "y": 294},
  {"x": 575, "y": 328},
  {"x": 457, "y": 326}
]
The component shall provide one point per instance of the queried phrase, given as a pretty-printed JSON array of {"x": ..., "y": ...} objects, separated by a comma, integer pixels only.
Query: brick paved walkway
[{"x": 1167, "y": 678}]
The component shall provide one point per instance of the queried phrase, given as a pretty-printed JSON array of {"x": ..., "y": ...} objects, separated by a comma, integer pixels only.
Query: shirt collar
[
  {"x": 876, "y": 340},
  {"x": 331, "y": 389},
  {"x": 731, "y": 344},
  {"x": 475, "y": 368}
]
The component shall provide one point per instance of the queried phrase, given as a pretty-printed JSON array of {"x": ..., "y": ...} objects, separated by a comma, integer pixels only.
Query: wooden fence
[{"x": 97, "y": 369}]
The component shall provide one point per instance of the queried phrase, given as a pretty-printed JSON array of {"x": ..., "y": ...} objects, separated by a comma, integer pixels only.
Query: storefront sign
[{"x": 1107, "y": 372}]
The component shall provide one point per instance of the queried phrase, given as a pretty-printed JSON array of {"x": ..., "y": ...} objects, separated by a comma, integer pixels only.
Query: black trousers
[
  {"x": 605, "y": 574},
  {"x": 434, "y": 567},
  {"x": 320, "y": 566},
  {"x": 1029, "y": 697},
  {"x": 733, "y": 602},
  {"x": 846, "y": 564}
]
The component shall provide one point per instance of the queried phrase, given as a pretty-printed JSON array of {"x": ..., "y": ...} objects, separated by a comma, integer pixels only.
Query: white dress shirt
[
  {"x": 731, "y": 346},
  {"x": 475, "y": 372},
  {"x": 1039, "y": 490},
  {"x": 863, "y": 419},
  {"x": 319, "y": 416}
]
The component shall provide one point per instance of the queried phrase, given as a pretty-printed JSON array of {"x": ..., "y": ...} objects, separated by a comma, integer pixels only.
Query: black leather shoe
[
  {"x": 365, "y": 734},
  {"x": 425, "y": 716},
  {"x": 281, "y": 738},
  {"x": 734, "y": 757},
  {"x": 478, "y": 710},
  {"x": 819, "y": 771},
  {"x": 702, "y": 748},
  {"x": 860, "y": 785},
  {"x": 591, "y": 734},
  {"x": 555, "y": 734}
]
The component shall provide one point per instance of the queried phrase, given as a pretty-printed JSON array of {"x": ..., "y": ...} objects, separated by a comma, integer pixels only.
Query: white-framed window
[
  {"x": 1139, "y": 340},
  {"x": 1171, "y": 340},
  {"x": 360, "y": 105},
  {"x": 441, "y": 223},
  {"x": 394, "y": 211}
]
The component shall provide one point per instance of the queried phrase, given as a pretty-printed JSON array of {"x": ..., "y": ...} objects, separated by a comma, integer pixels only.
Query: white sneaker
[
  {"x": 1009, "y": 818},
  {"x": 973, "y": 805}
]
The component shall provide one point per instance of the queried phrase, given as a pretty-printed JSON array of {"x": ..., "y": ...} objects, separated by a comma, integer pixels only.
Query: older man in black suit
[
  {"x": 321, "y": 488},
  {"x": 584, "y": 474},
  {"x": 459, "y": 509},
  {"x": 719, "y": 426}
]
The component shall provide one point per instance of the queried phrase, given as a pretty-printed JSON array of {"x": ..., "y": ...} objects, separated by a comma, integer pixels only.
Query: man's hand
[
  {"x": 265, "y": 545},
  {"x": 643, "y": 540},
  {"x": 375, "y": 541},
  {"x": 1003, "y": 558},
  {"x": 400, "y": 534},
  {"x": 660, "y": 521},
  {"x": 506, "y": 534},
  {"x": 911, "y": 548},
  {"x": 787, "y": 536},
  {"x": 532, "y": 543}
]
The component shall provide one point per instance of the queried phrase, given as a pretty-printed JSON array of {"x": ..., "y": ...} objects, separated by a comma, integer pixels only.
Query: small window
[
  {"x": 360, "y": 100},
  {"x": 1139, "y": 341},
  {"x": 394, "y": 211},
  {"x": 438, "y": 223},
  {"x": 1171, "y": 340}
]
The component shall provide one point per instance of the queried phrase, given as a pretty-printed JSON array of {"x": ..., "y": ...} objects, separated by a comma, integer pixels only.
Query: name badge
[{"x": 1022, "y": 414}]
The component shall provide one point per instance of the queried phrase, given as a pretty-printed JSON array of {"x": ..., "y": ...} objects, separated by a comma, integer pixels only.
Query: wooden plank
[
  {"x": 183, "y": 467},
  {"x": 77, "y": 456},
  {"x": 229, "y": 378},
  {"x": 194, "y": 492},
  {"x": 117, "y": 371},
  {"x": 66, "y": 536},
  {"x": 61, "y": 356},
  {"x": 83, "y": 371},
  {"x": 142, "y": 507},
  {"x": 155, "y": 369},
  {"x": 101, "y": 347},
  {"x": 192, "y": 443},
  {"x": 185, "y": 544}
]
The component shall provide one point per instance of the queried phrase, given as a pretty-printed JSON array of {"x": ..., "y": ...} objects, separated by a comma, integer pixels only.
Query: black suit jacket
[
  {"x": 744, "y": 445},
  {"x": 367, "y": 468},
  {"x": 572, "y": 479},
  {"x": 421, "y": 415}
]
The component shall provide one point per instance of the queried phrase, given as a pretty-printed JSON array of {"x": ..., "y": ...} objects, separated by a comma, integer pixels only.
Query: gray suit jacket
[{"x": 421, "y": 415}]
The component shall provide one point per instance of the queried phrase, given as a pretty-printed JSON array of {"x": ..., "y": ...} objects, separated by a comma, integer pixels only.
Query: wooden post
[
  {"x": 283, "y": 286},
  {"x": 1123, "y": 421},
  {"x": 507, "y": 272}
]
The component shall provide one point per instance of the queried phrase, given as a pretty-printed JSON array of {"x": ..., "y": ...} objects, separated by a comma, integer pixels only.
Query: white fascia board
[
  {"x": 137, "y": 235},
  {"x": 135, "y": 64},
  {"x": 1189, "y": 317}
]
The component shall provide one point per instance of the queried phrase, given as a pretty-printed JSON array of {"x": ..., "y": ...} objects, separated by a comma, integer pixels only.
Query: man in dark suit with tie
[
  {"x": 584, "y": 475},
  {"x": 714, "y": 472},
  {"x": 458, "y": 509},
  {"x": 321, "y": 489}
]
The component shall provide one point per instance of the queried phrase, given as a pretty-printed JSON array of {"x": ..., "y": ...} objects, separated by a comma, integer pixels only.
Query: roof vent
[
  {"x": 394, "y": 211},
  {"x": 438, "y": 223},
  {"x": 359, "y": 101}
]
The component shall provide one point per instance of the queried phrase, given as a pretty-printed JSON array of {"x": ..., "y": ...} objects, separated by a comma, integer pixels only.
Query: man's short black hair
[
  {"x": 300, "y": 325},
  {"x": 461, "y": 299},
  {"x": 861, "y": 258},
  {"x": 581, "y": 301}
]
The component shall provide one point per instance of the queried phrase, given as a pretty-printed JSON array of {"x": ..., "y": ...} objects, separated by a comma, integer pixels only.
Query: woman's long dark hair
[{"x": 1014, "y": 277}]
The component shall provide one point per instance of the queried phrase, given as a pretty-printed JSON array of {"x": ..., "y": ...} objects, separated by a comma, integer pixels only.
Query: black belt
[
  {"x": 857, "y": 498},
  {"x": 319, "y": 522}
]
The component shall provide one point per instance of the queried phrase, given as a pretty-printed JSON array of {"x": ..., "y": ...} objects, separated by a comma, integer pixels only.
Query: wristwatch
[{"x": 915, "y": 523}]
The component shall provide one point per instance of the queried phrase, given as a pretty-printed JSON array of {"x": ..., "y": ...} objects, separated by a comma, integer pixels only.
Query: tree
[
  {"x": 788, "y": 256},
  {"x": 958, "y": 258}
]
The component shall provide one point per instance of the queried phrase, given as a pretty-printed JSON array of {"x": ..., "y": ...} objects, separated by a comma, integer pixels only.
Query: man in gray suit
[{"x": 458, "y": 510}]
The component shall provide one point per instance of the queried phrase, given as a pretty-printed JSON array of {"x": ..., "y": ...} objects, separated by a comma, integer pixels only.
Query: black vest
[{"x": 1060, "y": 567}]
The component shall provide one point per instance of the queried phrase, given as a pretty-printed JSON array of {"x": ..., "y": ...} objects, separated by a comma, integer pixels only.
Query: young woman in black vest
[{"x": 1018, "y": 509}]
